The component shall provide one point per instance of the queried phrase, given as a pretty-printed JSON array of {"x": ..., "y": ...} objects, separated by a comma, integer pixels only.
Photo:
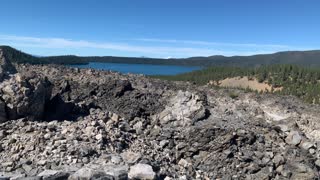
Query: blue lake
[{"x": 146, "y": 69}]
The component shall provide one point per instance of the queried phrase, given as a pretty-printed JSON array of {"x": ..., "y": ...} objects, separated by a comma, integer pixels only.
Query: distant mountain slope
[
  {"x": 20, "y": 57},
  {"x": 306, "y": 58}
]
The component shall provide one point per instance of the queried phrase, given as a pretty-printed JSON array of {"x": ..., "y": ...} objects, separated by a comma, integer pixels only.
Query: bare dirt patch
[{"x": 245, "y": 82}]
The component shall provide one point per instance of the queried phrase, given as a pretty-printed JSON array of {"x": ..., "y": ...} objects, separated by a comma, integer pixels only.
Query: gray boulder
[
  {"x": 183, "y": 109},
  {"x": 141, "y": 171},
  {"x": 293, "y": 138},
  {"x": 53, "y": 175}
]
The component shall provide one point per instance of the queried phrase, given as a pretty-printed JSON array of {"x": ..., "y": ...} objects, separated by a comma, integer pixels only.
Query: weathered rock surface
[
  {"x": 184, "y": 109},
  {"x": 64, "y": 123},
  {"x": 25, "y": 95},
  {"x": 6, "y": 68}
]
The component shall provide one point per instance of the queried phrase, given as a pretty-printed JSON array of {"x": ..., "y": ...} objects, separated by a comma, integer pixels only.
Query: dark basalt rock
[{"x": 115, "y": 95}]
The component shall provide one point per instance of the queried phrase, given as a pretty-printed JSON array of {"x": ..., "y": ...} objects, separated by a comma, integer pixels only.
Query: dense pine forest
[{"x": 295, "y": 80}]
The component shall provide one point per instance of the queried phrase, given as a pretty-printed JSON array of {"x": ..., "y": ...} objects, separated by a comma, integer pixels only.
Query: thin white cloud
[
  {"x": 68, "y": 43},
  {"x": 212, "y": 43},
  {"x": 63, "y": 45}
]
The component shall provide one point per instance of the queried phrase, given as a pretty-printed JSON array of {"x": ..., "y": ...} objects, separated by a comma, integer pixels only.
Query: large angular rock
[
  {"x": 184, "y": 109},
  {"x": 141, "y": 171},
  {"x": 25, "y": 95}
]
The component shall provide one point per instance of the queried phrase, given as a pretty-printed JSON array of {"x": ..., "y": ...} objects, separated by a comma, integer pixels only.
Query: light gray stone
[
  {"x": 293, "y": 138},
  {"x": 141, "y": 171},
  {"x": 87, "y": 174},
  {"x": 307, "y": 145},
  {"x": 53, "y": 175}
]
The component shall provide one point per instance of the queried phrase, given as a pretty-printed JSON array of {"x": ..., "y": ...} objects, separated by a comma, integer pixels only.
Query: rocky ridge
[{"x": 68, "y": 123}]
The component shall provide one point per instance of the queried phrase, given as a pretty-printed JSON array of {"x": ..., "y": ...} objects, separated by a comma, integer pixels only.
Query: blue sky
[{"x": 160, "y": 28}]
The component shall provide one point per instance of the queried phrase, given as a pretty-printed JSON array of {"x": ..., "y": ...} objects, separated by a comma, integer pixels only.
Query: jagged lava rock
[{"x": 131, "y": 125}]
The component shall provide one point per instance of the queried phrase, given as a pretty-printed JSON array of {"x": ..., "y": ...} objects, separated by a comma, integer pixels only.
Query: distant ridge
[{"x": 305, "y": 58}]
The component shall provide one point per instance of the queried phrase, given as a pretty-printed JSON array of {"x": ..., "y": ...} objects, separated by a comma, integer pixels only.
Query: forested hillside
[
  {"x": 305, "y": 58},
  {"x": 295, "y": 80}
]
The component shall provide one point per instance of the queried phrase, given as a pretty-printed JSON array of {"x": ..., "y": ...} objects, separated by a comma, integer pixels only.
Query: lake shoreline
[{"x": 146, "y": 69}]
